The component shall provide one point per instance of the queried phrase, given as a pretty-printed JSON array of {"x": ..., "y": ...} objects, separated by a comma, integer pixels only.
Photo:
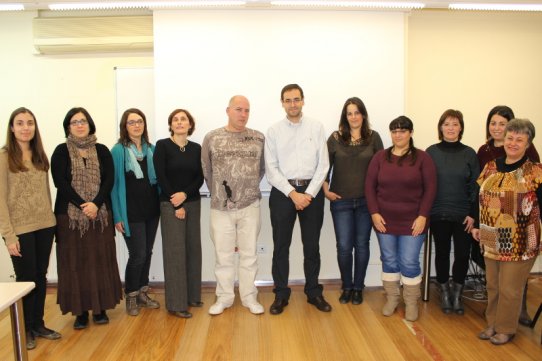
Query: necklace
[{"x": 182, "y": 148}]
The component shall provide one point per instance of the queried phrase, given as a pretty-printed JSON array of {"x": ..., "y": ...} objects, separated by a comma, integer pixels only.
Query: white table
[{"x": 11, "y": 294}]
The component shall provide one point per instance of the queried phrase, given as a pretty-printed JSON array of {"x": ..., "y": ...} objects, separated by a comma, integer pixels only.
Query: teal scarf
[{"x": 131, "y": 163}]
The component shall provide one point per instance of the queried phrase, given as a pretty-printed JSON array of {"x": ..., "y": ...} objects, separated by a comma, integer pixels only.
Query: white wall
[
  {"x": 50, "y": 86},
  {"x": 469, "y": 61}
]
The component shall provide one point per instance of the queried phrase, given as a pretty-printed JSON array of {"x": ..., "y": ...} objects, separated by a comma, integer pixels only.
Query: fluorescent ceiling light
[
  {"x": 144, "y": 4},
  {"x": 350, "y": 4},
  {"x": 497, "y": 7},
  {"x": 11, "y": 7}
]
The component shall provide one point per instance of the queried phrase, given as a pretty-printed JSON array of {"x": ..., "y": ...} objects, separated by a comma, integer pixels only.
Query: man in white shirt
[
  {"x": 233, "y": 166},
  {"x": 296, "y": 165}
]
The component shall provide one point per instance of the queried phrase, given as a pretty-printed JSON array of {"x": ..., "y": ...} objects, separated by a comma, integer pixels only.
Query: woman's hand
[
  {"x": 476, "y": 234},
  {"x": 177, "y": 198},
  {"x": 469, "y": 223},
  {"x": 332, "y": 196},
  {"x": 120, "y": 227},
  {"x": 90, "y": 210},
  {"x": 379, "y": 222},
  {"x": 14, "y": 249},
  {"x": 180, "y": 213},
  {"x": 418, "y": 226}
]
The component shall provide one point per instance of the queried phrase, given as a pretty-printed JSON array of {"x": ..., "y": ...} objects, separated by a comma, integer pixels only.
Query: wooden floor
[{"x": 301, "y": 333}]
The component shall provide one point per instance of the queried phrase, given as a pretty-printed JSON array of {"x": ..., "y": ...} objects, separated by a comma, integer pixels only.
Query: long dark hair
[
  {"x": 502, "y": 110},
  {"x": 14, "y": 151},
  {"x": 404, "y": 123},
  {"x": 124, "y": 138},
  {"x": 344, "y": 126}
]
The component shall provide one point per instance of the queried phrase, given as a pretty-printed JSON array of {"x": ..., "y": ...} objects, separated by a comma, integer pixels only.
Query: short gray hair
[{"x": 521, "y": 126}]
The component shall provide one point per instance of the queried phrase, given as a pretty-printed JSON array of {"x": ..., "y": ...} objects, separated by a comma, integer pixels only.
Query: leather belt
[{"x": 299, "y": 182}]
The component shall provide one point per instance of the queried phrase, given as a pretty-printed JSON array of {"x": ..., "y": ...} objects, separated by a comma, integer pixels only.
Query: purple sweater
[
  {"x": 401, "y": 193},
  {"x": 488, "y": 152}
]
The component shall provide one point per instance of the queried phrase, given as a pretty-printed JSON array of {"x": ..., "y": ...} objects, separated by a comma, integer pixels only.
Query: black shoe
[
  {"x": 30, "y": 341},
  {"x": 278, "y": 306},
  {"x": 81, "y": 321},
  {"x": 346, "y": 296},
  {"x": 195, "y": 304},
  {"x": 181, "y": 314},
  {"x": 44, "y": 332},
  {"x": 320, "y": 303},
  {"x": 100, "y": 319},
  {"x": 357, "y": 297}
]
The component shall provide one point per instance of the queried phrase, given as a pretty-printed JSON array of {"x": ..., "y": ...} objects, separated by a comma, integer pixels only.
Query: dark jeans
[
  {"x": 443, "y": 233},
  {"x": 352, "y": 223},
  {"x": 283, "y": 216},
  {"x": 32, "y": 267},
  {"x": 140, "y": 244}
]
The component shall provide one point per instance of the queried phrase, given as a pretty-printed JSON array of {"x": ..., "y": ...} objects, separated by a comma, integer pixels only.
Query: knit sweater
[
  {"x": 401, "y": 193},
  {"x": 457, "y": 171},
  {"x": 348, "y": 164},
  {"x": 25, "y": 201},
  {"x": 510, "y": 196}
]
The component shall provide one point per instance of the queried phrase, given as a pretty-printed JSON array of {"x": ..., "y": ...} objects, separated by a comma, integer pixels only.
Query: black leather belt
[{"x": 299, "y": 182}]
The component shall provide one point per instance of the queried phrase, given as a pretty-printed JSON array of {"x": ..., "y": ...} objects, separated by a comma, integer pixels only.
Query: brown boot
[
  {"x": 143, "y": 299},
  {"x": 393, "y": 295},
  {"x": 411, "y": 295},
  {"x": 132, "y": 308}
]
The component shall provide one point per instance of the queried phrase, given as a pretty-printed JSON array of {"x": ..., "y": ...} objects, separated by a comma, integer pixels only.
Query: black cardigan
[{"x": 61, "y": 171}]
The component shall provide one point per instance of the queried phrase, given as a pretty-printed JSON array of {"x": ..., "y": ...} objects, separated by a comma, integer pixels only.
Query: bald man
[{"x": 233, "y": 166}]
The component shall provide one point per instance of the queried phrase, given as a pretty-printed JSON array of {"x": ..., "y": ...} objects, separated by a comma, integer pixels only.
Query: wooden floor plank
[{"x": 301, "y": 333}]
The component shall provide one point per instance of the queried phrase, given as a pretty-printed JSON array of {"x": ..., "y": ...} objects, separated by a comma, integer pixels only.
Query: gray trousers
[{"x": 181, "y": 247}]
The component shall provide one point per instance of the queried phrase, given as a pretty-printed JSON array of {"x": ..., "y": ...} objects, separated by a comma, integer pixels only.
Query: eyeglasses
[
  {"x": 78, "y": 122},
  {"x": 131, "y": 123},
  {"x": 292, "y": 101}
]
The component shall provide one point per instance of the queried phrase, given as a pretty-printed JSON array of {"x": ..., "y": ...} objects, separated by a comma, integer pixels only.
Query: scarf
[
  {"x": 132, "y": 164},
  {"x": 86, "y": 180}
]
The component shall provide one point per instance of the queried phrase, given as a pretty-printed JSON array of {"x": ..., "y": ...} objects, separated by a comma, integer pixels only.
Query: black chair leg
[{"x": 535, "y": 318}]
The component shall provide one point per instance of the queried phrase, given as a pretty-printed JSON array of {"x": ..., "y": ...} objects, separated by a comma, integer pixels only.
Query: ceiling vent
[{"x": 65, "y": 35}]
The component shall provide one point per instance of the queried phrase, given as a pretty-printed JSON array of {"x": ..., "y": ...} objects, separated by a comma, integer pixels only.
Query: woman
[
  {"x": 178, "y": 167},
  {"x": 88, "y": 276},
  {"x": 136, "y": 210},
  {"x": 509, "y": 228},
  {"x": 27, "y": 222},
  {"x": 497, "y": 120},
  {"x": 457, "y": 171},
  {"x": 399, "y": 208},
  {"x": 350, "y": 151}
]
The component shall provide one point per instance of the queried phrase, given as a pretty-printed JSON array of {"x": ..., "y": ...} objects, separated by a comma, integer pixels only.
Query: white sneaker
[
  {"x": 254, "y": 307},
  {"x": 218, "y": 308}
]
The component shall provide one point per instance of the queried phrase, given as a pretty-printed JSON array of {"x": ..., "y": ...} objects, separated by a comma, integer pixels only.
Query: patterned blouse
[{"x": 509, "y": 210}]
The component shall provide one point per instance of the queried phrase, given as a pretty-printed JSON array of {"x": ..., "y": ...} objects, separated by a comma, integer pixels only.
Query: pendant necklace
[{"x": 181, "y": 148}]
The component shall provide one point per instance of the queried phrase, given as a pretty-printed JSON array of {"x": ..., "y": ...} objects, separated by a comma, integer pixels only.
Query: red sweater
[{"x": 401, "y": 193}]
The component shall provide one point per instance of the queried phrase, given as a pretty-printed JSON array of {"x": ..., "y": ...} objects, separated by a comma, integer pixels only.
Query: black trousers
[
  {"x": 32, "y": 267},
  {"x": 283, "y": 216},
  {"x": 443, "y": 233},
  {"x": 139, "y": 244}
]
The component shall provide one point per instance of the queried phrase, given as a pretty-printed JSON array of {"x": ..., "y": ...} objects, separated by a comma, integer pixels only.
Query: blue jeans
[
  {"x": 352, "y": 223},
  {"x": 401, "y": 253}
]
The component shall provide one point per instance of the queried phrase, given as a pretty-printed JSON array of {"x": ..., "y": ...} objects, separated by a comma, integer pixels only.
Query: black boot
[
  {"x": 524, "y": 318},
  {"x": 445, "y": 298},
  {"x": 457, "y": 301}
]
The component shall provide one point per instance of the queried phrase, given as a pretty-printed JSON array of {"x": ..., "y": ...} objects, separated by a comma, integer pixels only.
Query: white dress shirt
[{"x": 296, "y": 151}]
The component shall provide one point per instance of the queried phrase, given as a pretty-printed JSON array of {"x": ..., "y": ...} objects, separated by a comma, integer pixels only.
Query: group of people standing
[{"x": 400, "y": 191}]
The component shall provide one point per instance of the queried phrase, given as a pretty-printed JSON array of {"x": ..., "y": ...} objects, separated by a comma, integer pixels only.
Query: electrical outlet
[{"x": 261, "y": 248}]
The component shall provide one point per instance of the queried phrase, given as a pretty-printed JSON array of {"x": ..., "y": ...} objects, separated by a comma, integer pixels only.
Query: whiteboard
[{"x": 135, "y": 89}]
